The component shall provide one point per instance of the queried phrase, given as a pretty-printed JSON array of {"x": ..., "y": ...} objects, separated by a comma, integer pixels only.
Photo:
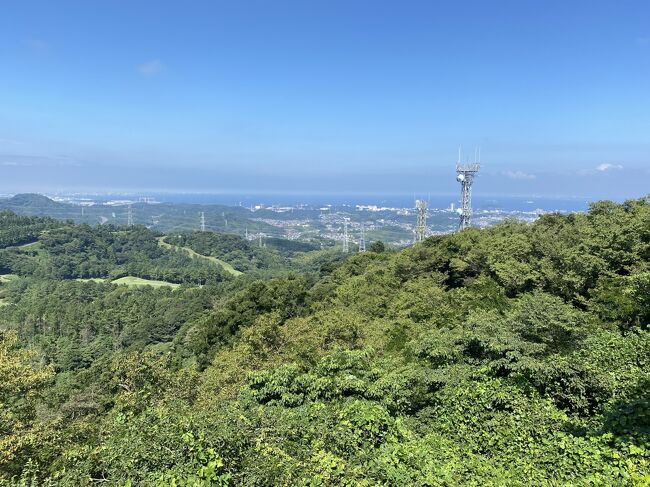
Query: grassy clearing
[
  {"x": 195, "y": 255},
  {"x": 7, "y": 277},
  {"x": 132, "y": 281},
  {"x": 138, "y": 281},
  {"x": 31, "y": 246}
]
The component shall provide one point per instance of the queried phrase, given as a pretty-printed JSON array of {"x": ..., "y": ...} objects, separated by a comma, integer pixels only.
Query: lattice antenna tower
[
  {"x": 362, "y": 240},
  {"x": 465, "y": 174},
  {"x": 421, "y": 226},
  {"x": 346, "y": 242},
  {"x": 129, "y": 216},
  {"x": 203, "y": 221}
]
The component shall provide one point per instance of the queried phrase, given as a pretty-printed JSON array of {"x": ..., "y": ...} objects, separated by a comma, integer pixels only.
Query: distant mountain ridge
[
  {"x": 24, "y": 200},
  {"x": 162, "y": 217}
]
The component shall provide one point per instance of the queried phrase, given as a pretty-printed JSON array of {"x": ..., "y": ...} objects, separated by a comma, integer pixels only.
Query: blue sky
[{"x": 345, "y": 96}]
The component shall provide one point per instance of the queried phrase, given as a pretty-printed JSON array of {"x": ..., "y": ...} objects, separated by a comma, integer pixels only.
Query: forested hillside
[
  {"x": 62, "y": 250},
  {"x": 242, "y": 254},
  {"x": 514, "y": 355}
]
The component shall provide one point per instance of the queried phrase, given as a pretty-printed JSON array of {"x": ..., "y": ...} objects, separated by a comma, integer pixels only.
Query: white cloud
[
  {"x": 151, "y": 68},
  {"x": 518, "y": 175},
  {"x": 608, "y": 167}
]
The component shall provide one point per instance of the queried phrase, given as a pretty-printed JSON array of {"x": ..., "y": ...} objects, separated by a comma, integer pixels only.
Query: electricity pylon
[{"x": 421, "y": 226}]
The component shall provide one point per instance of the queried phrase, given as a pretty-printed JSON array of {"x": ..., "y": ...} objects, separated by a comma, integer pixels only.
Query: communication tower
[
  {"x": 129, "y": 216},
  {"x": 346, "y": 244},
  {"x": 465, "y": 174},
  {"x": 203, "y": 221},
  {"x": 362, "y": 240},
  {"x": 421, "y": 226}
]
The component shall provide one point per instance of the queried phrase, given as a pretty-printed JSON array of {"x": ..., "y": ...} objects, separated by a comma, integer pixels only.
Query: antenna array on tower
[
  {"x": 465, "y": 174},
  {"x": 346, "y": 243},
  {"x": 203, "y": 221}
]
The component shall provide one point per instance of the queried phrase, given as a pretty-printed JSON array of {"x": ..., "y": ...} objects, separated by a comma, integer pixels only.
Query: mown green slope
[
  {"x": 517, "y": 355},
  {"x": 195, "y": 255}
]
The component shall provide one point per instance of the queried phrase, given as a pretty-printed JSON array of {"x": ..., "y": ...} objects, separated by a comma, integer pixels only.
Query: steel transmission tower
[
  {"x": 129, "y": 217},
  {"x": 203, "y": 221},
  {"x": 465, "y": 174},
  {"x": 346, "y": 243},
  {"x": 421, "y": 226},
  {"x": 362, "y": 240}
]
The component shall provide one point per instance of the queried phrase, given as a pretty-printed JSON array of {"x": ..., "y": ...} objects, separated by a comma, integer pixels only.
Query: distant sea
[{"x": 483, "y": 202}]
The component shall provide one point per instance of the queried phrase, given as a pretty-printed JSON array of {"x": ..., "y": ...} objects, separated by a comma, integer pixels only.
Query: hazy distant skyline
[{"x": 354, "y": 96}]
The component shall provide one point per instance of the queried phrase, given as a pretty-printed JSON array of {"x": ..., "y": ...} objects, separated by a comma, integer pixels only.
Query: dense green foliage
[
  {"x": 515, "y": 355},
  {"x": 21, "y": 230},
  {"x": 289, "y": 246},
  {"x": 75, "y": 323},
  {"x": 275, "y": 258}
]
